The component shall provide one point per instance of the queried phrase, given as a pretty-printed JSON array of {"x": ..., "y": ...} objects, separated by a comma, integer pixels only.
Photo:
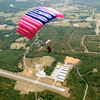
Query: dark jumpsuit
[{"x": 49, "y": 49}]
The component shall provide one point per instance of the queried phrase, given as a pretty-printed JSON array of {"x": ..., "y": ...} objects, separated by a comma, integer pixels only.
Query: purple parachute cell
[{"x": 32, "y": 21}]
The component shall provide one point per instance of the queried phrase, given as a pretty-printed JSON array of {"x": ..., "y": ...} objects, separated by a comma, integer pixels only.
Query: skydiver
[{"x": 49, "y": 48}]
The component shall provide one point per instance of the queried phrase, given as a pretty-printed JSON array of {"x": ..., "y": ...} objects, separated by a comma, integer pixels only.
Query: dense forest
[
  {"x": 21, "y": 5},
  {"x": 5, "y": 42},
  {"x": 89, "y": 3},
  {"x": 59, "y": 37},
  {"x": 49, "y": 69}
]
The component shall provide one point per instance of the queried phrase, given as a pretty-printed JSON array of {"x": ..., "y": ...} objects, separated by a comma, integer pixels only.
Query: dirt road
[
  {"x": 97, "y": 27},
  {"x": 82, "y": 42}
]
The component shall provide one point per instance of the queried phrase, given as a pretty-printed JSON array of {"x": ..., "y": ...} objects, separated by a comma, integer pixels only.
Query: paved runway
[{"x": 33, "y": 81}]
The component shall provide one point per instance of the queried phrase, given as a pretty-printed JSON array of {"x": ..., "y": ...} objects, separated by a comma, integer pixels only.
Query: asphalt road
[{"x": 32, "y": 81}]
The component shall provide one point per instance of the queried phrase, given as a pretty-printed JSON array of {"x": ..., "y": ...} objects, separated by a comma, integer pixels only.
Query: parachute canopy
[
  {"x": 33, "y": 20},
  {"x": 47, "y": 42}
]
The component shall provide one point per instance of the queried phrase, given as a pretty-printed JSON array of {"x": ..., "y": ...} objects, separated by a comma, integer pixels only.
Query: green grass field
[{"x": 9, "y": 60}]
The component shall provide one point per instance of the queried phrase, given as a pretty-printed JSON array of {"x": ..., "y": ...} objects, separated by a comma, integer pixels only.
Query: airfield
[{"x": 33, "y": 78}]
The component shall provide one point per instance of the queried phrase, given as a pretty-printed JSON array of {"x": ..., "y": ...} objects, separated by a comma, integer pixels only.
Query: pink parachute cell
[
  {"x": 47, "y": 42},
  {"x": 28, "y": 26},
  {"x": 33, "y": 20},
  {"x": 58, "y": 14}
]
